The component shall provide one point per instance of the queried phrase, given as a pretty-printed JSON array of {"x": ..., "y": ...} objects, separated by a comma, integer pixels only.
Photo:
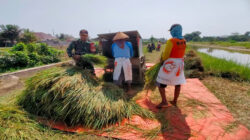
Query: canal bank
[{"x": 233, "y": 65}]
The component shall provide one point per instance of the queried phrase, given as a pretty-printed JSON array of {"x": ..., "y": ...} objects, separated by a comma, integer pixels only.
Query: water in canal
[{"x": 240, "y": 58}]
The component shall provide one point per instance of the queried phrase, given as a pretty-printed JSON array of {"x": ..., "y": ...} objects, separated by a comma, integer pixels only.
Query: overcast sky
[{"x": 149, "y": 17}]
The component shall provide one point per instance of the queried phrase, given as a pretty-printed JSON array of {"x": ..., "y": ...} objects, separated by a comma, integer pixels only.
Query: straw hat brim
[{"x": 120, "y": 35}]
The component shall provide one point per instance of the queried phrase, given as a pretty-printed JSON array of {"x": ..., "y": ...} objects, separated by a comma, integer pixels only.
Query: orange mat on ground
[{"x": 199, "y": 116}]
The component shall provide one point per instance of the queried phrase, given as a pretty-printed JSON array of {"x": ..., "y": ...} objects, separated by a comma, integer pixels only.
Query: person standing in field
[
  {"x": 81, "y": 47},
  {"x": 172, "y": 69},
  {"x": 153, "y": 46},
  {"x": 158, "y": 46},
  {"x": 149, "y": 47},
  {"x": 122, "y": 51}
]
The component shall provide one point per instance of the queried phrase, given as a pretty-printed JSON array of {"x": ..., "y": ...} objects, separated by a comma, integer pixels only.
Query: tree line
[
  {"x": 12, "y": 34},
  {"x": 234, "y": 37}
]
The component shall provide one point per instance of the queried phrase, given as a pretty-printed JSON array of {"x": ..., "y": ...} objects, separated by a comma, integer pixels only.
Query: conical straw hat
[{"x": 120, "y": 35}]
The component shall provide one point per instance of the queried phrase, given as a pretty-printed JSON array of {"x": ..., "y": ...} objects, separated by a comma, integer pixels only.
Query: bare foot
[
  {"x": 173, "y": 103},
  {"x": 162, "y": 105}
]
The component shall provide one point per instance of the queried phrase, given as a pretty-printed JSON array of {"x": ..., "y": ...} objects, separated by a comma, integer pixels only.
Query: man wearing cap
[
  {"x": 80, "y": 47},
  {"x": 122, "y": 51},
  {"x": 172, "y": 69}
]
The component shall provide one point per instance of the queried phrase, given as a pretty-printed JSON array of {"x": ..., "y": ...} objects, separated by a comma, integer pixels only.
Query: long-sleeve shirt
[
  {"x": 166, "y": 53},
  {"x": 126, "y": 52},
  {"x": 79, "y": 47}
]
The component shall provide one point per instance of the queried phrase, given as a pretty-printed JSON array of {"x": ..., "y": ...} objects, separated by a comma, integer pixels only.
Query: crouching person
[
  {"x": 81, "y": 47},
  {"x": 122, "y": 51}
]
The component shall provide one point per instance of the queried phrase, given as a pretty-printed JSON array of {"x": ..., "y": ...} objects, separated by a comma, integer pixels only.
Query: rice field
[{"x": 224, "y": 68}]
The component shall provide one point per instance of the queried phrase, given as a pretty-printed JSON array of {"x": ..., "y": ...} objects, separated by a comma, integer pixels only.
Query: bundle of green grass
[
  {"x": 151, "y": 75},
  {"x": 97, "y": 60},
  {"x": 76, "y": 97}
]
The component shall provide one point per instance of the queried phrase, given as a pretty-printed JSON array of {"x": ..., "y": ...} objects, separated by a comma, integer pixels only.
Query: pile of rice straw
[{"x": 76, "y": 97}]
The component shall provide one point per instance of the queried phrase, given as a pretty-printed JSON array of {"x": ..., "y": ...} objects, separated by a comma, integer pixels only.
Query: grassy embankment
[{"x": 223, "y": 68}]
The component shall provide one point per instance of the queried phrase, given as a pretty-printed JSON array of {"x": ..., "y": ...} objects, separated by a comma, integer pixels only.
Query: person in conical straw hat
[
  {"x": 122, "y": 51},
  {"x": 172, "y": 69}
]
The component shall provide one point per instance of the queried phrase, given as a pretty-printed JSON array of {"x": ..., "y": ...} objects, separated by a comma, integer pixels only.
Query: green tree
[
  {"x": 152, "y": 39},
  {"x": 247, "y": 34},
  {"x": 28, "y": 36},
  {"x": 10, "y": 32},
  {"x": 194, "y": 36},
  {"x": 64, "y": 37}
]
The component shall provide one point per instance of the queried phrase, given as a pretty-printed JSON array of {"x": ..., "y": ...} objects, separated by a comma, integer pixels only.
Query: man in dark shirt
[{"x": 80, "y": 47}]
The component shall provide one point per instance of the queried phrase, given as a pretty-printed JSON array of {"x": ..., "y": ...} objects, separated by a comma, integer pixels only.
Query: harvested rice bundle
[
  {"x": 75, "y": 96},
  {"x": 151, "y": 75},
  {"x": 94, "y": 59},
  {"x": 193, "y": 65}
]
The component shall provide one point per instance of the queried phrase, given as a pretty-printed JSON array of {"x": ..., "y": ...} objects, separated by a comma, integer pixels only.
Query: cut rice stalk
[
  {"x": 76, "y": 97},
  {"x": 151, "y": 75}
]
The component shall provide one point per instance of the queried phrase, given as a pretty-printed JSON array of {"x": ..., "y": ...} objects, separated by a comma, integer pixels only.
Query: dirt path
[
  {"x": 232, "y": 48},
  {"x": 12, "y": 81}
]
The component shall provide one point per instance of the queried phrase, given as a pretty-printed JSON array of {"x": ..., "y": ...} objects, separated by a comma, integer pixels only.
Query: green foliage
[
  {"x": 43, "y": 49},
  {"x": 31, "y": 47},
  {"x": 9, "y": 32},
  {"x": 28, "y": 37},
  {"x": 18, "y": 47},
  {"x": 194, "y": 36},
  {"x": 234, "y": 37},
  {"x": 20, "y": 59},
  {"x": 33, "y": 59},
  {"x": 76, "y": 97},
  {"x": 28, "y": 55},
  {"x": 5, "y": 62},
  {"x": 48, "y": 59}
]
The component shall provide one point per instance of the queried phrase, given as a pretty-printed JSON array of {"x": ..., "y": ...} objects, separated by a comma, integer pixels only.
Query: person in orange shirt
[{"x": 172, "y": 69}]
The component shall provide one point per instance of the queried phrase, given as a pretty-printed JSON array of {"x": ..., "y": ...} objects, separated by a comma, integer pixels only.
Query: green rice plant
[
  {"x": 151, "y": 75},
  {"x": 75, "y": 96},
  {"x": 224, "y": 68}
]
